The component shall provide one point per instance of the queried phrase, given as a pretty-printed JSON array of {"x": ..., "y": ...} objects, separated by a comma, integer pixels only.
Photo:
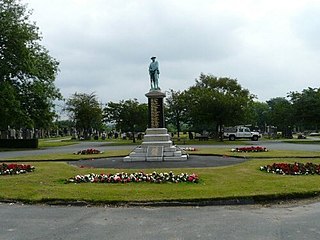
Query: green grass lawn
[
  {"x": 302, "y": 141},
  {"x": 186, "y": 141},
  {"x": 244, "y": 180},
  {"x": 269, "y": 154},
  {"x": 45, "y": 143},
  {"x": 69, "y": 156},
  {"x": 238, "y": 181}
]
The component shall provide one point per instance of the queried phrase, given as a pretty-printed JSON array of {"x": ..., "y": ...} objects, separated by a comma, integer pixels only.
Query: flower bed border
[
  {"x": 292, "y": 168},
  {"x": 13, "y": 168},
  {"x": 88, "y": 151},
  {"x": 191, "y": 149},
  {"x": 134, "y": 177},
  {"x": 250, "y": 149}
]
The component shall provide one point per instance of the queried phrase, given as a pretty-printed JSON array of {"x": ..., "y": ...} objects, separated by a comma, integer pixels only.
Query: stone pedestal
[
  {"x": 157, "y": 144},
  {"x": 155, "y": 108}
]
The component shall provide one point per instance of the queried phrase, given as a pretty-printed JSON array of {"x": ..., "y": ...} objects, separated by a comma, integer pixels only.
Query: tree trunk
[
  {"x": 133, "y": 137},
  {"x": 178, "y": 127},
  {"x": 220, "y": 132}
]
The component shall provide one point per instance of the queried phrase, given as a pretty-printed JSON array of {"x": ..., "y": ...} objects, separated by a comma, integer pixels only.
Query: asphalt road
[
  {"x": 277, "y": 145},
  {"x": 64, "y": 149},
  {"x": 22, "y": 222},
  {"x": 193, "y": 162}
]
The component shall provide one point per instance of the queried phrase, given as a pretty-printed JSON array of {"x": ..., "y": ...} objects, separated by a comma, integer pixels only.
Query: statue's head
[{"x": 153, "y": 58}]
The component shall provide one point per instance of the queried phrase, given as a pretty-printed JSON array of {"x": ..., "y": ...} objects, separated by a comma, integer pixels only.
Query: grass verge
[
  {"x": 268, "y": 154},
  {"x": 68, "y": 156},
  {"x": 302, "y": 141},
  {"x": 45, "y": 143},
  {"x": 242, "y": 181}
]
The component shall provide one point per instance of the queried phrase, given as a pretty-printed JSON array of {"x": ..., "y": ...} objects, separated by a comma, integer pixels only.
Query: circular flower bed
[
  {"x": 250, "y": 149},
  {"x": 191, "y": 149},
  {"x": 12, "y": 168},
  {"x": 134, "y": 177},
  {"x": 292, "y": 168},
  {"x": 88, "y": 151}
]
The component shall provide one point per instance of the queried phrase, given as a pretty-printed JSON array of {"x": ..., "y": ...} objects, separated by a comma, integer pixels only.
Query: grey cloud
[
  {"x": 306, "y": 26},
  {"x": 105, "y": 46}
]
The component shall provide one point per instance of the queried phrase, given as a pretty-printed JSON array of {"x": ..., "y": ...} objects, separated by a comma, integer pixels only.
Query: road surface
[
  {"x": 277, "y": 145},
  {"x": 22, "y": 222}
]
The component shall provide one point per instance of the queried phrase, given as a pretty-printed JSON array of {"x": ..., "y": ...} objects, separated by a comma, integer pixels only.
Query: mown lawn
[
  {"x": 242, "y": 180},
  {"x": 268, "y": 154},
  {"x": 45, "y": 143},
  {"x": 69, "y": 156}
]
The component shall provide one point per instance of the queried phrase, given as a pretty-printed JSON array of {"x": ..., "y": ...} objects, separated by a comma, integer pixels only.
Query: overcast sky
[{"x": 271, "y": 47}]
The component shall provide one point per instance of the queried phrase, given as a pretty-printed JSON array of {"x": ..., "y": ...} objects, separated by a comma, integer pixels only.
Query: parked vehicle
[
  {"x": 237, "y": 132},
  {"x": 314, "y": 134}
]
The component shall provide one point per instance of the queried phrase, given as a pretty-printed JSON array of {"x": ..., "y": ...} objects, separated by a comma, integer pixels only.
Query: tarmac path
[
  {"x": 194, "y": 161},
  {"x": 245, "y": 222}
]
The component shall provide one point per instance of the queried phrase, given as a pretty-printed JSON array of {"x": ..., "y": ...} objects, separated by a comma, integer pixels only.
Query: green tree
[
  {"x": 128, "y": 116},
  {"x": 10, "y": 108},
  {"x": 86, "y": 113},
  {"x": 258, "y": 114},
  {"x": 176, "y": 109},
  {"x": 281, "y": 115},
  {"x": 64, "y": 127},
  {"x": 27, "y": 71},
  {"x": 214, "y": 102},
  {"x": 306, "y": 107}
]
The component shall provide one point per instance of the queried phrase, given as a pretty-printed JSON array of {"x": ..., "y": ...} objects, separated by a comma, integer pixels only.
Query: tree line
[
  {"x": 28, "y": 94},
  {"x": 210, "y": 104}
]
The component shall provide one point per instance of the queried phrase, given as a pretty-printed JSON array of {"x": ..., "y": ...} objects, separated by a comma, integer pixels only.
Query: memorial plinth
[
  {"x": 157, "y": 144},
  {"x": 155, "y": 109}
]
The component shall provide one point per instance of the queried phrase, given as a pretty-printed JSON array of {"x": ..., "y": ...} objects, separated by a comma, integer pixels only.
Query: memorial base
[{"x": 156, "y": 147}]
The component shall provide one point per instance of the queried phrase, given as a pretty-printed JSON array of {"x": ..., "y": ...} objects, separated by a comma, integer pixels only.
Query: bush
[{"x": 19, "y": 143}]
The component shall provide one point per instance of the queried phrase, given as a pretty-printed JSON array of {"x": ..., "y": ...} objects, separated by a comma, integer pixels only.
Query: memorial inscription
[
  {"x": 155, "y": 151},
  {"x": 154, "y": 113}
]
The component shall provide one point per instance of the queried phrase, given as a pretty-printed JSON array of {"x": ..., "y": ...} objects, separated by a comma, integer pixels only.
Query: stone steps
[{"x": 156, "y": 146}]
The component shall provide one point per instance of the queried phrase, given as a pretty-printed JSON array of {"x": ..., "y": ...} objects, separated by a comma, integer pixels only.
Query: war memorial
[{"x": 157, "y": 144}]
